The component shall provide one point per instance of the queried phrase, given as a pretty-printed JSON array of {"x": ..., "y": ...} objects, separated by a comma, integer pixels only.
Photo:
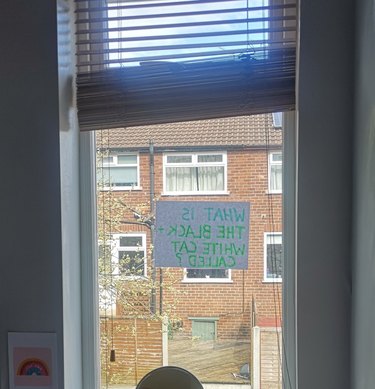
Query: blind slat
[
  {"x": 193, "y": 24},
  {"x": 208, "y": 54},
  {"x": 243, "y": 44},
  {"x": 171, "y": 4},
  {"x": 193, "y": 59},
  {"x": 181, "y": 25},
  {"x": 182, "y": 36},
  {"x": 129, "y": 18},
  {"x": 142, "y": 4}
]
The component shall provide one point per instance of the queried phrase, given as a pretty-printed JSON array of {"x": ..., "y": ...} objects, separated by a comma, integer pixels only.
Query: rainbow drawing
[{"x": 33, "y": 367}]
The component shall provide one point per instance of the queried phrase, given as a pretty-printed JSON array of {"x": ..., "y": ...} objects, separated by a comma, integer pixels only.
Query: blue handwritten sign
[{"x": 202, "y": 234}]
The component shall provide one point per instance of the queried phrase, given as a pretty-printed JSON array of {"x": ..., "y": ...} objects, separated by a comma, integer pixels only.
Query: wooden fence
[
  {"x": 266, "y": 358},
  {"x": 138, "y": 345}
]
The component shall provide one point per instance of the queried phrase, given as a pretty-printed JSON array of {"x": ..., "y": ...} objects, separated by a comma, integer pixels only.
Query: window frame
[
  {"x": 265, "y": 246},
  {"x": 208, "y": 280},
  {"x": 115, "y": 164},
  {"x": 195, "y": 163},
  {"x": 89, "y": 274},
  {"x": 272, "y": 163},
  {"x": 116, "y": 248}
]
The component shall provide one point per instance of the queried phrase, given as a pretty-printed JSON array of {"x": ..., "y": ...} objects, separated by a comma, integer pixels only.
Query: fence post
[
  {"x": 255, "y": 370},
  {"x": 164, "y": 340}
]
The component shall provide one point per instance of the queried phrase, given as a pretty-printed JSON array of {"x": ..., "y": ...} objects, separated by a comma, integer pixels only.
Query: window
[
  {"x": 204, "y": 328},
  {"x": 277, "y": 118},
  {"x": 119, "y": 171},
  {"x": 275, "y": 170},
  {"x": 207, "y": 275},
  {"x": 207, "y": 84},
  {"x": 201, "y": 173},
  {"x": 130, "y": 252},
  {"x": 273, "y": 253}
]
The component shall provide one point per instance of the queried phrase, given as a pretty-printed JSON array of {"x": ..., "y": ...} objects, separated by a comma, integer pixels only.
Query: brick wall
[{"x": 230, "y": 302}]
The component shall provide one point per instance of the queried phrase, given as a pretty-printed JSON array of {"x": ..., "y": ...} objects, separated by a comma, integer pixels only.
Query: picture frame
[{"x": 32, "y": 360}]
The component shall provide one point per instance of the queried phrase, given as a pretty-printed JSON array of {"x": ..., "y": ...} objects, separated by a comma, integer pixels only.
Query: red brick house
[{"x": 228, "y": 159}]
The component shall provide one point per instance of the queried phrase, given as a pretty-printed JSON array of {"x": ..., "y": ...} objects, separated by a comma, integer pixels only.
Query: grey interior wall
[
  {"x": 30, "y": 276},
  {"x": 325, "y": 122},
  {"x": 363, "y": 343}
]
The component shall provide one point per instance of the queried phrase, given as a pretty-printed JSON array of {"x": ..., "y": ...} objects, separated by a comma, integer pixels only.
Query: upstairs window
[
  {"x": 130, "y": 251},
  {"x": 118, "y": 171},
  {"x": 198, "y": 173},
  {"x": 277, "y": 119},
  {"x": 275, "y": 170},
  {"x": 273, "y": 251},
  {"x": 207, "y": 275}
]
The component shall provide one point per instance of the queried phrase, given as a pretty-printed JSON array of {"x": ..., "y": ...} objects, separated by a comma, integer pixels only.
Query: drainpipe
[{"x": 152, "y": 226}]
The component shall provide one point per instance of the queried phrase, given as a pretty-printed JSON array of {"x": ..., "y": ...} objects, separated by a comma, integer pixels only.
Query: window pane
[
  {"x": 274, "y": 238},
  {"x": 130, "y": 241},
  {"x": 211, "y": 178},
  {"x": 131, "y": 262},
  {"x": 107, "y": 160},
  {"x": 276, "y": 179},
  {"x": 179, "y": 158},
  {"x": 184, "y": 179},
  {"x": 126, "y": 159},
  {"x": 277, "y": 118},
  {"x": 181, "y": 179},
  {"x": 274, "y": 260},
  {"x": 202, "y": 305},
  {"x": 119, "y": 176},
  {"x": 206, "y": 273},
  {"x": 210, "y": 158},
  {"x": 277, "y": 157}
]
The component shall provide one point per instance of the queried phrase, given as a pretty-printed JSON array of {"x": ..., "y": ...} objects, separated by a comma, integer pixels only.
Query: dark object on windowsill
[{"x": 169, "y": 377}]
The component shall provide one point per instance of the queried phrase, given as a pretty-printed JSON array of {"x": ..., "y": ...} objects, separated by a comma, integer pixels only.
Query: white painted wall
[{"x": 363, "y": 340}]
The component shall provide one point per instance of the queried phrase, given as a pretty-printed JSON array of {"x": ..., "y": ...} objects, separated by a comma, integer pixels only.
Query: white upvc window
[
  {"x": 277, "y": 119},
  {"x": 273, "y": 256},
  {"x": 275, "y": 172},
  {"x": 118, "y": 171},
  {"x": 207, "y": 275},
  {"x": 195, "y": 173},
  {"x": 130, "y": 253}
]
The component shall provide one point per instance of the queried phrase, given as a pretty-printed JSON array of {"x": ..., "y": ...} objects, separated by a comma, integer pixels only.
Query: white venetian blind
[{"x": 156, "y": 61}]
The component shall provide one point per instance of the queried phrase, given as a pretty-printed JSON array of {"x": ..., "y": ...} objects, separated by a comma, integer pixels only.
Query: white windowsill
[
  {"x": 121, "y": 188},
  {"x": 272, "y": 281},
  {"x": 206, "y": 281},
  {"x": 271, "y": 192},
  {"x": 221, "y": 193}
]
